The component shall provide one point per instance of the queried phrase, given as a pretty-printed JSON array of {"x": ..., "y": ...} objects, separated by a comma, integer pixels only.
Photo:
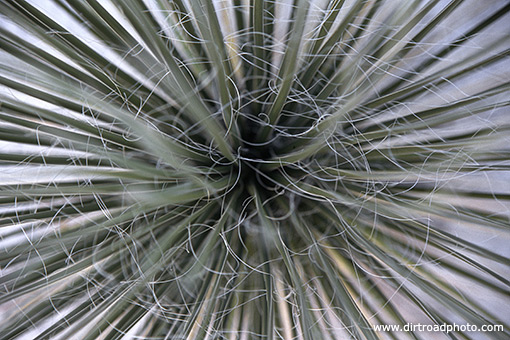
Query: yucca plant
[{"x": 249, "y": 169}]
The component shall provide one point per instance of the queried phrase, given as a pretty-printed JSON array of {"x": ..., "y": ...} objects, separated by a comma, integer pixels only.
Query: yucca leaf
[{"x": 253, "y": 169}]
